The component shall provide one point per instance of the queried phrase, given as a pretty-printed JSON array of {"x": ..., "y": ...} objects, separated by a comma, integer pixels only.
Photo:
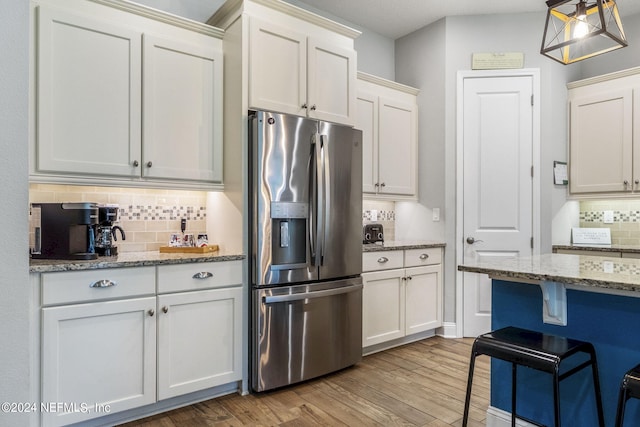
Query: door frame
[{"x": 534, "y": 73}]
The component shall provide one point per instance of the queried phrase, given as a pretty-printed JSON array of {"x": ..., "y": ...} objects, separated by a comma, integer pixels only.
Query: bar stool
[
  {"x": 534, "y": 350},
  {"x": 629, "y": 388}
]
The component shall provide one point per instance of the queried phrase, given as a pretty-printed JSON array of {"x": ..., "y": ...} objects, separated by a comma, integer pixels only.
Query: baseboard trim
[
  {"x": 448, "y": 330},
  {"x": 499, "y": 418}
]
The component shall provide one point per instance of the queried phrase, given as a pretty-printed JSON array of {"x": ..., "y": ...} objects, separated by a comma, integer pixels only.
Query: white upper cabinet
[
  {"x": 290, "y": 72},
  {"x": 182, "y": 92},
  {"x": 387, "y": 114},
  {"x": 282, "y": 58},
  {"x": 125, "y": 99},
  {"x": 604, "y": 131},
  {"x": 89, "y": 86}
]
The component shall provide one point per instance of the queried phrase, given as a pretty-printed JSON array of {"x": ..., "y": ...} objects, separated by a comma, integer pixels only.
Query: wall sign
[{"x": 497, "y": 61}]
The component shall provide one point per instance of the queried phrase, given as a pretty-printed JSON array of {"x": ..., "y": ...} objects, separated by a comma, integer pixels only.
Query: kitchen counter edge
[
  {"x": 585, "y": 272},
  {"x": 128, "y": 259},
  {"x": 399, "y": 245},
  {"x": 628, "y": 249}
]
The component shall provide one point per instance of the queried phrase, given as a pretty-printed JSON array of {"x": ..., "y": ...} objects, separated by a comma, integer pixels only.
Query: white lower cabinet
[
  {"x": 112, "y": 341},
  {"x": 97, "y": 359},
  {"x": 400, "y": 302},
  {"x": 198, "y": 340}
]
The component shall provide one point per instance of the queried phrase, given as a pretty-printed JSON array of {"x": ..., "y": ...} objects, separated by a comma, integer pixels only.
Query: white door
[{"x": 497, "y": 183}]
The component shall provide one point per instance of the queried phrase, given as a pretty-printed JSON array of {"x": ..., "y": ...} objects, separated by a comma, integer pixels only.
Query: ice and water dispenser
[{"x": 289, "y": 235}]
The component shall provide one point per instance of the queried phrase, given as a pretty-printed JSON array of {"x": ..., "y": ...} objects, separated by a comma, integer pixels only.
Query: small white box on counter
[{"x": 591, "y": 236}]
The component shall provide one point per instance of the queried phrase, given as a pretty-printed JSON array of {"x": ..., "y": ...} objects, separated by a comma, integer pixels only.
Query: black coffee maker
[
  {"x": 106, "y": 231},
  {"x": 64, "y": 230}
]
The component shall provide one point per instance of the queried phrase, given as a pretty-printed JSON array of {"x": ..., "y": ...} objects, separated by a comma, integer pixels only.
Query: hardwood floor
[{"x": 419, "y": 384}]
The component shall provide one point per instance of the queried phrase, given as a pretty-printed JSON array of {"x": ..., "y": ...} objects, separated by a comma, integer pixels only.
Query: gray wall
[
  {"x": 429, "y": 59},
  {"x": 620, "y": 59},
  {"x": 15, "y": 375}
]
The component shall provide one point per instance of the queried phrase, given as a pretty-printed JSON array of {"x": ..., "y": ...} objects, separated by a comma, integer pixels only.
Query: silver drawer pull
[
  {"x": 383, "y": 259},
  {"x": 202, "y": 275},
  {"x": 104, "y": 283},
  {"x": 424, "y": 256}
]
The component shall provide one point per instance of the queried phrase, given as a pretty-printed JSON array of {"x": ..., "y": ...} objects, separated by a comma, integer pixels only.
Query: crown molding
[{"x": 387, "y": 83}]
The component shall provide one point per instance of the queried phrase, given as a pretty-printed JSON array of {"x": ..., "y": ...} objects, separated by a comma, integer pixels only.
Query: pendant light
[{"x": 577, "y": 30}]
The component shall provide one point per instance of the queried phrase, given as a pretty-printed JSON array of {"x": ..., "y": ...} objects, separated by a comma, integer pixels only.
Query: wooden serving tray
[{"x": 189, "y": 249}]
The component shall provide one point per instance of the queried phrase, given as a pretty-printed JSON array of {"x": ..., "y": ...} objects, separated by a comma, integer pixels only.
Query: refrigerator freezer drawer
[{"x": 304, "y": 331}]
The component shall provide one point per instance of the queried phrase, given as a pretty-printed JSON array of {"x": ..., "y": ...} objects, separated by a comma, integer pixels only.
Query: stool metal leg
[
  {"x": 596, "y": 385},
  {"x": 467, "y": 400},
  {"x": 622, "y": 401},
  {"x": 514, "y": 381},
  {"x": 556, "y": 396}
]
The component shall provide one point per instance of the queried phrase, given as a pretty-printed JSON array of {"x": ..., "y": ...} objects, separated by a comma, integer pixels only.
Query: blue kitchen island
[{"x": 595, "y": 299}]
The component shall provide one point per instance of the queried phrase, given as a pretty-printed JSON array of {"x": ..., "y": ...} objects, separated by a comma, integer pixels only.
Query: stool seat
[
  {"x": 630, "y": 388},
  {"x": 535, "y": 350}
]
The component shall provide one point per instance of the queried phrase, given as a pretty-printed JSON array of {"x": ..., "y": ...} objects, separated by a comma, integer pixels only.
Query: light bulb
[{"x": 581, "y": 27}]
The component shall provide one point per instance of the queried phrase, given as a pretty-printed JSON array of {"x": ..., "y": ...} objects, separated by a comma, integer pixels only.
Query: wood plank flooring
[{"x": 418, "y": 384}]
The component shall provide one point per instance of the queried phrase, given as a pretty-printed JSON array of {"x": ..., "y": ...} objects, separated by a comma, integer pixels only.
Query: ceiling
[
  {"x": 397, "y": 18},
  {"x": 390, "y": 18}
]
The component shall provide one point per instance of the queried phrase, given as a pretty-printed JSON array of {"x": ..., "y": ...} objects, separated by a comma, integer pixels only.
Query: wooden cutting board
[{"x": 189, "y": 249}]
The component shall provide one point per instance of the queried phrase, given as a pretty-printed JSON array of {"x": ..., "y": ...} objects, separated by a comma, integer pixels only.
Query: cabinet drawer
[
  {"x": 418, "y": 257},
  {"x": 80, "y": 286},
  {"x": 197, "y": 276},
  {"x": 372, "y": 261}
]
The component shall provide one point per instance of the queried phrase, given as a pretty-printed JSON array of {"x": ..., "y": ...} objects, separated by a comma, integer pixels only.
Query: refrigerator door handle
[
  {"x": 310, "y": 295},
  {"x": 326, "y": 195},
  {"x": 313, "y": 198},
  {"x": 319, "y": 199}
]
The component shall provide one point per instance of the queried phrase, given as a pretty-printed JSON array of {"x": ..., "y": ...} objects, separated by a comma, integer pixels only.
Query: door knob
[{"x": 471, "y": 240}]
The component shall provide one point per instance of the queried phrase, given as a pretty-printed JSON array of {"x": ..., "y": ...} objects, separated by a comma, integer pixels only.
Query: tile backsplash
[
  {"x": 625, "y": 228},
  {"x": 147, "y": 216},
  {"x": 382, "y": 213}
]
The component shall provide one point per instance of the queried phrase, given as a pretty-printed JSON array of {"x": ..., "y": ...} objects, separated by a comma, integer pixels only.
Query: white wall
[{"x": 15, "y": 375}]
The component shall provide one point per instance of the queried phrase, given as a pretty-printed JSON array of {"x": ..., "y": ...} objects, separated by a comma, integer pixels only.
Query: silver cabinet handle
[
  {"x": 383, "y": 259},
  {"x": 305, "y": 106},
  {"x": 424, "y": 256},
  {"x": 409, "y": 277},
  {"x": 104, "y": 283},
  {"x": 313, "y": 107},
  {"x": 165, "y": 309},
  {"x": 136, "y": 163},
  {"x": 149, "y": 163},
  {"x": 376, "y": 185},
  {"x": 202, "y": 275},
  {"x": 637, "y": 181},
  {"x": 151, "y": 312},
  {"x": 383, "y": 185}
]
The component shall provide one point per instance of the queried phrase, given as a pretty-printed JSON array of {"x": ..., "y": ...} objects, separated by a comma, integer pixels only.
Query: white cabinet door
[
  {"x": 277, "y": 68},
  {"x": 367, "y": 122},
  {"x": 331, "y": 82},
  {"x": 89, "y": 85},
  {"x": 397, "y": 147},
  {"x": 199, "y": 340},
  {"x": 102, "y": 355},
  {"x": 182, "y": 104},
  {"x": 383, "y": 306},
  {"x": 424, "y": 301},
  {"x": 601, "y": 150}
]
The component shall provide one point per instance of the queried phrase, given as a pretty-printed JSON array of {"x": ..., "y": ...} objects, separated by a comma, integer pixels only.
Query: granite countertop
[
  {"x": 130, "y": 259},
  {"x": 397, "y": 245},
  {"x": 604, "y": 248},
  {"x": 586, "y": 272}
]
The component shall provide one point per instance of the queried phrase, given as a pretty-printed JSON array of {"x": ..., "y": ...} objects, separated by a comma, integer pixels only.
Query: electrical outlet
[
  {"x": 374, "y": 214},
  {"x": 436, "y": 214}
]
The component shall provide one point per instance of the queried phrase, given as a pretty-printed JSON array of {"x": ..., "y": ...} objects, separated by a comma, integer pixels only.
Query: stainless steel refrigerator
[{"x": 306, "y": 241}]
